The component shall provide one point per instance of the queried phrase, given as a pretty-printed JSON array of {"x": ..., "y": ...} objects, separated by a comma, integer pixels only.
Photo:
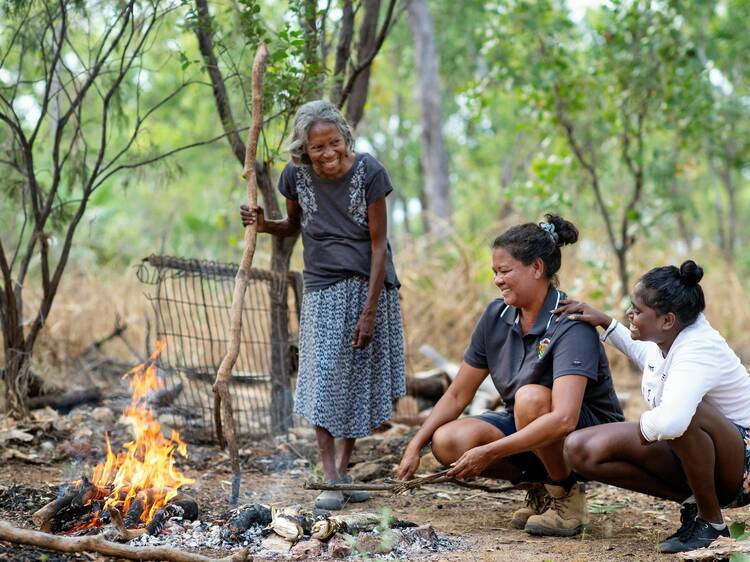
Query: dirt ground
[{"x": 626, "y": 526}]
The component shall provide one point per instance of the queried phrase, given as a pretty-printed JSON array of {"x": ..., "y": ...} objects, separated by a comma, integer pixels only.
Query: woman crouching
[
  {"x": 692, "y": 445},
  {"x": 553, "y": 377}
]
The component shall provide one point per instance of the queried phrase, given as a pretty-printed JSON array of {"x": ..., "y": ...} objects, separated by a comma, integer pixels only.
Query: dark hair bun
[
  {"x": 566, "y": 231},
  {"x": 691, "y": 273}
]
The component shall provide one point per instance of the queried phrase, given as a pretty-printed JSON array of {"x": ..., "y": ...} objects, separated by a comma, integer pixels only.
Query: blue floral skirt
[
  {"x": 348, "y": 391},
  {"x": 743, "y": 496}
]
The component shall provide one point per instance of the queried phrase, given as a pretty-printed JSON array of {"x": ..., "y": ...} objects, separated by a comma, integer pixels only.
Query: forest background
[{"x": 121, "y": 129}]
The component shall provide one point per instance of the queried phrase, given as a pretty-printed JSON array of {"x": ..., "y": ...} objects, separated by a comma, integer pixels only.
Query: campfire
[{"x": 137, "y": 489}]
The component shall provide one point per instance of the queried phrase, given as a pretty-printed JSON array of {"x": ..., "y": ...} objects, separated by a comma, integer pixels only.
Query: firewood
[
  {"x": 44, "y": 516},
  {"x": 99, "y": 545},
  {"x": 402, "y": 487},
  {"x": 135, "y": 511},
  {"x": 222, "y": 398},
  {"x": 244, "y": 517},
  {"x": 66, "y": 400},
  {"x": 122, "y": 533},
  {"x": 162, "y": 517}
]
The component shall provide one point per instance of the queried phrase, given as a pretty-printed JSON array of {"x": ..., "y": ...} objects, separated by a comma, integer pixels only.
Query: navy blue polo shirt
[{"x": 549, "y": 350}]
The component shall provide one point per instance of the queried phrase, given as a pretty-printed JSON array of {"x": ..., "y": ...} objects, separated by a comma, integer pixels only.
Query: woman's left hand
[
  {"x": 363, "y": 330},
  {"x": 472, "y": 463}
]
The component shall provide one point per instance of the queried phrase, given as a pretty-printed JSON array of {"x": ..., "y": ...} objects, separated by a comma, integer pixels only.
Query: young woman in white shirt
[{"x": 693, "y": 444}]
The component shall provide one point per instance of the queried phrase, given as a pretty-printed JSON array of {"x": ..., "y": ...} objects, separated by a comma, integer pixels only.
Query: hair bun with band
[
  {"x": 690, "y": 273},
  {"x": 562, "y": 232}
]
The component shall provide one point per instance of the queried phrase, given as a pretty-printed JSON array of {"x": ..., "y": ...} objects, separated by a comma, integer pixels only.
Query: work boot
[
  {"x": 698, "y": 534},
  {"x": 688, "y": 513},
  {"x": 536, "y": 502},
  {"x": 353, "y": 496},
  {"x": 566, "y": 515}
]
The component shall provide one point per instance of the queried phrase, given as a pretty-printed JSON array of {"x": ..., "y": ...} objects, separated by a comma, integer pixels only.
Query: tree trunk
[
  {"x": 622, "y": 270},
  {"x": 281, "y": 383},
  {"x": 434, "y": 156},
  {"x": 368, "y": 30},
  {"x": 343, "y": 50}
]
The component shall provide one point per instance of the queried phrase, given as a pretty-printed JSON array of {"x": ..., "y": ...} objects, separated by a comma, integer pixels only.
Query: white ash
[{"x": 202, "y": 535}]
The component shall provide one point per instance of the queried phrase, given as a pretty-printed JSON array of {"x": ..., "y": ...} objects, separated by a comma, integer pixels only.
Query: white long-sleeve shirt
[{"x": 700, "y": 365}]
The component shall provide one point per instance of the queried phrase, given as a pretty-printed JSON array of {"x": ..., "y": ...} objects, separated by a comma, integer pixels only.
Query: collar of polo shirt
[{"x": 545, "y": 317}]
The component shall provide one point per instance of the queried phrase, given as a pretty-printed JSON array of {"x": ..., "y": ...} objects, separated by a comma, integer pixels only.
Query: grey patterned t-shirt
[{"x": 335, "y": 229}]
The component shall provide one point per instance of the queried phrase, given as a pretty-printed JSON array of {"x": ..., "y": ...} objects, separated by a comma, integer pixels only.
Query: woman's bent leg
[
  {"x": 533, "y": 401},
  {"x": 613, "y": 453},
  {"x": 713, "y": 457},
  {"x": 453, "y": 439}
]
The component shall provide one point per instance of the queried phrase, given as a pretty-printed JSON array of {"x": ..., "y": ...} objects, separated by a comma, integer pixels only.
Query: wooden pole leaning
[{"x": 223, "y": 415}]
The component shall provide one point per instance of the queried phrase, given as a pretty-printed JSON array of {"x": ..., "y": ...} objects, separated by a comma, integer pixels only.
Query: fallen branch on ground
[
  {"x": 100, "y": 545},
  {"x": 402, "y": 487}
]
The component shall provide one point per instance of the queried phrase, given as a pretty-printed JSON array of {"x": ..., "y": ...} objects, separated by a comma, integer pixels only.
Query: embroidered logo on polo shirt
[{"x": 542, "y": 346}]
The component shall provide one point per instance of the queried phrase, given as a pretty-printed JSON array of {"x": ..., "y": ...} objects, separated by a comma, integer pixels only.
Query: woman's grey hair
[{"x": 309, "y": 114}]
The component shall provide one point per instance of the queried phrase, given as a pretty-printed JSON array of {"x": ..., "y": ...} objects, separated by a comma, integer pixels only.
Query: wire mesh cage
[{"x": 192, "y": 300}]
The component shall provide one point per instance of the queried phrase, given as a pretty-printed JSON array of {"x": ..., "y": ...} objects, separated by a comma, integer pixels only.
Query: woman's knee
[
  {"x": 445, "y": 444},
  {"x": 580, "y": 451},
  {"x": 531, "y": 401}
]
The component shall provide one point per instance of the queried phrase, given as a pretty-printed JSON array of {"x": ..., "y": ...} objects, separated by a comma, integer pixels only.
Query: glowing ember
[{"x": 145, "y": 472}]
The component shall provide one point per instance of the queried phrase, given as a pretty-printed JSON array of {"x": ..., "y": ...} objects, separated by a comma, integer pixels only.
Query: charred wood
[
  {"x": 245, "y": 517},
  {"x": 67, "y": 400}
]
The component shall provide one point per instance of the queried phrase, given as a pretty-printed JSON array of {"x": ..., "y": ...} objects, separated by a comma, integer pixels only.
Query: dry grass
[
  {"x": 84, "y": 311},
  {"x": 445, "y": 288}
]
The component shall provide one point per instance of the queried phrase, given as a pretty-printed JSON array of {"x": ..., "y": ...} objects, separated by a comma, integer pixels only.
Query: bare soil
[{"x": 625, "y": 525}]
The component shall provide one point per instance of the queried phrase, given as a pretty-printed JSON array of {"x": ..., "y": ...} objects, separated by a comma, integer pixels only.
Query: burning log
[
  {"x": 136, "y": 509},
  {"x": 76, "y": 500},
  {"x": 122, "y": 533},
  {"x": 181, "y": 506},
  {"x": 244, "y": 518},
  {"x": 43, "y": 518},
  {"x": 100, "y": 545}
]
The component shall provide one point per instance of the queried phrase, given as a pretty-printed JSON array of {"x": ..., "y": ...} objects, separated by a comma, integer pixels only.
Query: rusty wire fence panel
[{"x": 192, "y": 300}]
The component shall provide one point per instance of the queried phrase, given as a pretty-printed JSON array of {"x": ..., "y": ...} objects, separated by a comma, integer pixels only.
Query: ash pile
[{"x": 298, "y": 534}]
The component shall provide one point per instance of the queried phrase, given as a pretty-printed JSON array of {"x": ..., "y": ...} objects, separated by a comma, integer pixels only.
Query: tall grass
[{"x": 446, "y": 286}]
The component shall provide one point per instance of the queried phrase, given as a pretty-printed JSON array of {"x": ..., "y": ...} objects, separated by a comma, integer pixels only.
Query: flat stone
[
  {"x": 424, "y": 533},
  {"x": 103, "y": 415},
  {"x": 304, "y": 550},
  {"x": 340, "y": 546},
  {"x": 275, "y": 543},
  {"x": 374, "y": 544}
]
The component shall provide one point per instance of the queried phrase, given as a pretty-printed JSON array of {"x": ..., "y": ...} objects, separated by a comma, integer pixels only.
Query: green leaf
[
  {"x": 739, "y": 557},
  {"x": 737, "y": 529}
]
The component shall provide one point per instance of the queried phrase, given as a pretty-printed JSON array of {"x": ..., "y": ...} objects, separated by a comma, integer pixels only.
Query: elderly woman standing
[{"x": 351, "y": 341}]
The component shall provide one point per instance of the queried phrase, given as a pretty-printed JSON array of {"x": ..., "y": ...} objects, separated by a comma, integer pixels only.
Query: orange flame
[{"x": 146, "y": 470}]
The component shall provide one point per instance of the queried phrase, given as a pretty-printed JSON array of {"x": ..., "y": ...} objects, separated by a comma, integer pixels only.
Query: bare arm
[
  {"x": 377, "y": 218},
  {"x": 567, "y": 397},
  {"x": 449, "y": 407},
  {"x": 289, "y": 226}
]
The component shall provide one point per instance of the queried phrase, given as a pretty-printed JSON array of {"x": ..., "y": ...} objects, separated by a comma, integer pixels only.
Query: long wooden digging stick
[{"x": 222, "y": 398}]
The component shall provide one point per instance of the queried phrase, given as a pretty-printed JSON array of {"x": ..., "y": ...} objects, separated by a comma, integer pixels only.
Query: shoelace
[{"x": 538, "y": 500}]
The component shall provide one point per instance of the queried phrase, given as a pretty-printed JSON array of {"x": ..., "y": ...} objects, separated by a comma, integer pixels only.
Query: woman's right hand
[
  {"x": 409, "y": 464},
  {"x": 252, "y": 216},
  {"x": 582, "y": 312}
]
